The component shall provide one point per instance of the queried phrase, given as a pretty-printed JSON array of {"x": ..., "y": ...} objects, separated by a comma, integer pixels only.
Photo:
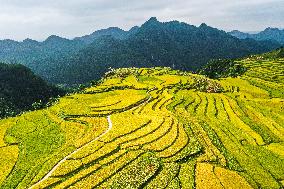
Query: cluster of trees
[
  {"x": 206, "y": 85},
  {"x": 121, "y": 72}
]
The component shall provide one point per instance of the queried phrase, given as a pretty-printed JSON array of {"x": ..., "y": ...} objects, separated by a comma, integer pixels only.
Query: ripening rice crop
[{"x": 153, "y": 128}]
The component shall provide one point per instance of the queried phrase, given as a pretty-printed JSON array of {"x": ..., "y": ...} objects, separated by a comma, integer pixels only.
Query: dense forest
[{"x": 21, "y": 90}]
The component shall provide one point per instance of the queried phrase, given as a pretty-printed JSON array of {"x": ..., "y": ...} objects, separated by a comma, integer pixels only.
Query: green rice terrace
[{"x": 154, "y": 128}]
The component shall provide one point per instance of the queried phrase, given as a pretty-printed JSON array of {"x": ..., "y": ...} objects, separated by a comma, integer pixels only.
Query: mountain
[
  {"x": 31, "y": 52},
  {"x": 20, "y": 88},
  {"x": 239, "y": 34},
  {"x": 171, "y": 44},
  {"x": 154, "y": 128},
  {"x": 115, "y": 32},
  {"x": 273, "y": 34}
]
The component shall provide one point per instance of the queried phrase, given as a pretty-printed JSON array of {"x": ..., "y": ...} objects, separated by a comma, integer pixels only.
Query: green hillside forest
[
  {"x": 154, "y": 44},
  {"x": 22, "y": 90},
  {"x": 156, "y": 128}
]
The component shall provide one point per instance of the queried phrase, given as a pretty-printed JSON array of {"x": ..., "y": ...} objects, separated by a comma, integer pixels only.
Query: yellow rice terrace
[{"x": 154, "y": 128}]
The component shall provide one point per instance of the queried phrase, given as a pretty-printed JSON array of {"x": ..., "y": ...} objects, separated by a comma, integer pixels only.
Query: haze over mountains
[
  {"x": 171, "y": 44},
  {"x": 274, "y": 34}
]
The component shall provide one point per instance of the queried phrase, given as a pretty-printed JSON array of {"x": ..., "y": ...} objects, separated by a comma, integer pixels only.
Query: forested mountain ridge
[
  {"x": 273, "y": 34},
  {"x": 32, "y": 53},
  {"x": 112, "y": 31},
  {"x": 171, "y": 44},
  {"x": 20, "y": 88}
]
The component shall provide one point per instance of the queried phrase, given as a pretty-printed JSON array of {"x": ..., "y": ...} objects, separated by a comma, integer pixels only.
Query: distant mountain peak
[
  {"x": 115, "y": 32},
  {"x": 203, "y": 25},
  {"x": 270, "y": 33},
  {"x": 236, "y": 31},
  {"x": 108, "y": 31},
  {"x": 239, "y": 34},
  {"x": 28, "y": 40},
  {"x": 133, "y": 30},
  {"x": 271, "y": 29},
  {"x": 55, "y": 38},
  {"x": 152, "y": 21}
]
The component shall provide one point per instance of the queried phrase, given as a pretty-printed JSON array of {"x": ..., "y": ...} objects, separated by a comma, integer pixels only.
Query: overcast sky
[{"x": 37, "y": 19}]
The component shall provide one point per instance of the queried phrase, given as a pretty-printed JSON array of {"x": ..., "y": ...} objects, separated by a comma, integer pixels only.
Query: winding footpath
[{"x": 74, "y": 152}]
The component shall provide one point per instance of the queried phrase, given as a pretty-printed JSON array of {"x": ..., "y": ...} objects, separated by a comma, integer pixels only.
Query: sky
[{"x": 38, "y": 19}]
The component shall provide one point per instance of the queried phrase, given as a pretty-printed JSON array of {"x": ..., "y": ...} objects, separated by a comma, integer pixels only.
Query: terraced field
[{"x": 149, "y": 128}]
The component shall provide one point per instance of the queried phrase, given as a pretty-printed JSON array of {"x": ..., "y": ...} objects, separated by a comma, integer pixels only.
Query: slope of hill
[
  {"x": 154, "y": 128},
  {"x": 273, "y": 34},
  {"x": 172, "y": 44},
  {"x": 20, "y": 88}
]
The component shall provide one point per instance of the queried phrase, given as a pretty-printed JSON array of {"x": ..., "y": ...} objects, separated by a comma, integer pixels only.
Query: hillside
[
  {"x": 154, "y": 128},
  {"x": 172, "y": 44},
  {"x": 273, "y": 34},
  {"x": 20, "y": 88}
]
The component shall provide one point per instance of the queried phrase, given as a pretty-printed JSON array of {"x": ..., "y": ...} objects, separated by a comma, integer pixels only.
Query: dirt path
[{"x": 67, "y": 157}]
